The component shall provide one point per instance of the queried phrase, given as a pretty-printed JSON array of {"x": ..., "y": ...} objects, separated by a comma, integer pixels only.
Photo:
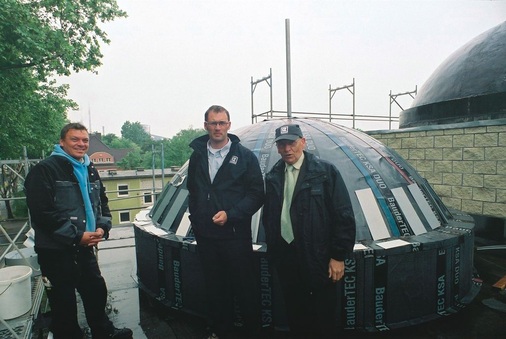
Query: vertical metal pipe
[
  {"x": 330, "y": 102},
  {"x": 153, "y": 168},
  {"x": 252, "y": 109},
  {"x": 27, "y": 164},
  {"x": 27, "y": 169},
  {"x": 288, "y": 71},
  {"x": 89, "y": 117},
  {"x": 270, "y": 86},
  {"x": 390, "y": 111},
  {"x": 353, "y": 102},
  {"x": 163, "y": 166}
]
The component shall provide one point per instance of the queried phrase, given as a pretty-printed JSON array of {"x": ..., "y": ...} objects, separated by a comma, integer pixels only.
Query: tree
[
  {"x": 177, "y": 149},
  {"x": 8, "y": 186},
  {"x": 113, "y": 141},
  {"x": 54, "y": 36},
  {"x": 31, "y": 114},
  {"x": 109, "y": 138},
  {"x": 132, "y": 160},
  {"x": 39, "y": 40},
  {"x": 134, "y": 131},
  {"x": 154, "y": 153}
]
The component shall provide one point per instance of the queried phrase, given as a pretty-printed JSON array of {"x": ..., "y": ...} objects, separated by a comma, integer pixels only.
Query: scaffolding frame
[
  {"x": 353, "y": 117},
  {"x": 268, "y": 81},
  {"x": 393, "y": 98},
  {"x": 332, "y": 92},
  {"x": 20, "y": 327}
]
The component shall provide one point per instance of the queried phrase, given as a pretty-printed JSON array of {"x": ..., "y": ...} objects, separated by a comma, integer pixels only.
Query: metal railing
[{"x": 353, "y": 116}]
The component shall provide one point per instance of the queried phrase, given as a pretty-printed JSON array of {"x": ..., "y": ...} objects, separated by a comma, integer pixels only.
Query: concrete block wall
[{"x": 465, "y": 163}]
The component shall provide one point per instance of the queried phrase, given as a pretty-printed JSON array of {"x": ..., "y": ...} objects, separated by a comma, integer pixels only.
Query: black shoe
[{"x": 121, "y": 333}]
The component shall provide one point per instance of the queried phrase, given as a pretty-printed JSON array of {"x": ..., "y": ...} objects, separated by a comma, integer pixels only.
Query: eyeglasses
[
  {"x": 217, "y": 123},
  {"x": 284, "y": 143}
]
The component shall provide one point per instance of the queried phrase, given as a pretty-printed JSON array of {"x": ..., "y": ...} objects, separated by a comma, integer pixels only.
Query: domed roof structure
[
  {"x": 412, "y": 260},
  {"x": 469, "y": 85}
]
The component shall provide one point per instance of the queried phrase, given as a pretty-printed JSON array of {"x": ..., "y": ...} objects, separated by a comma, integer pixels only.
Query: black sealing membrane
[{"x": 413, "y": 258}]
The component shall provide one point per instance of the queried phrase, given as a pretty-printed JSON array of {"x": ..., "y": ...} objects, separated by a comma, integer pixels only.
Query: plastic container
[
  {"x": 13, "y": 258},
  {"x": 15, "y": 291}
]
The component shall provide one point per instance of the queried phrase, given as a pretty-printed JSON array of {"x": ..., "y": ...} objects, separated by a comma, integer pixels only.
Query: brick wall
[{"x": 465, "y": 163}]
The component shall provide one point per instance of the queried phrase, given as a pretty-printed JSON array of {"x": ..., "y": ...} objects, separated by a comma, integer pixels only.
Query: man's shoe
[{"x": 121, "y": 333}]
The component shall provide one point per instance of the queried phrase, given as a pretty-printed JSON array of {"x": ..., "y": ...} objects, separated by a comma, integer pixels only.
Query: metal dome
[
  {"x": 469, "y": 85},
  {"x": 413, "y": 258}
]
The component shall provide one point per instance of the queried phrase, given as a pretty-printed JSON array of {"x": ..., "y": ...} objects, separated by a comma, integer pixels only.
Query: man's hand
[
  {"x": 336, "y": 269},
  {"x": 220, "y": 218},
  {"x": 92, "y": 238}
]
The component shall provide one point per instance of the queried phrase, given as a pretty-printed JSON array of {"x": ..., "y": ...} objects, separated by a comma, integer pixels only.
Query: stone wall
[{"x": 465, "y": 163}]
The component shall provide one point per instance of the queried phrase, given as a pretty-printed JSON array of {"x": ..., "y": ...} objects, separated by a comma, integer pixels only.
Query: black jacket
[
  {"x": 237, "y": 189},
  {"x": 56, "y": 204},
  {"x": 321, "y": 212}
]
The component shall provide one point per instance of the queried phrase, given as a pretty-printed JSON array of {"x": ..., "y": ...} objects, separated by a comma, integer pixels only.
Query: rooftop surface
[{"x": 130, "y": 307}]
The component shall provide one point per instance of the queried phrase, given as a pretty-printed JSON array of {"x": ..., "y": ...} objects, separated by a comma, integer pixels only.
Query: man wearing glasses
[
  {"x": 310, "y": 229},
  {"x": 226, "y": 188}
]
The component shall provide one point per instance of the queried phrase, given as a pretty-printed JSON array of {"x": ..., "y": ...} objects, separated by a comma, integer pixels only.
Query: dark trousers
[
  {"x": 67, "y": 272},
  {"x": 229, "y": 272},
  {"x": 311, "y": 311}
]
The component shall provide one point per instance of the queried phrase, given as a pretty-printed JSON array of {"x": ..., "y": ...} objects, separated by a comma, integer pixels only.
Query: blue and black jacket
[
  {"x": 56, "y": 205},
  {"x": 237, "y": 189}
]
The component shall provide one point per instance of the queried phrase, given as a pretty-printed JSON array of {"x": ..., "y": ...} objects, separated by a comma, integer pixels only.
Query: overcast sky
[{"x": 170, "y": 60}]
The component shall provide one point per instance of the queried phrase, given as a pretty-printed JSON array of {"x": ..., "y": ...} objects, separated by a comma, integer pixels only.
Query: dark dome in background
[{"x": 469, "y": 85}]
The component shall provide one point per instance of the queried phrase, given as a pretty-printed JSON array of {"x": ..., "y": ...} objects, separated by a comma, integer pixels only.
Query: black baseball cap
[{"x": 288, "y": 132}]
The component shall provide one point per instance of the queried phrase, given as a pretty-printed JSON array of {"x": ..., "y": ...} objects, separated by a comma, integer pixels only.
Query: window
[
  {"x": 148, "y": 198},
  {"x": 123, "y": 190},
  {"x": 124, "y": 217}
]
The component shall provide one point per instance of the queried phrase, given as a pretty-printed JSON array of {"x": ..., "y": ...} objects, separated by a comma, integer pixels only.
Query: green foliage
[
  {"x": 134, "y": 132},
  {"x": 20, "y": 209},
  {"x": 31, "y": 114},
  {"x": 38, "y": 40},
  {"x": 109, "y": 138},
  {"x": 10, "y": 185},
  {"x": 177, "y": 149},
  {"x": 132, "y": 160},
  {"x": 113, "y": 141},
  {"x": 54, "y": 36}
]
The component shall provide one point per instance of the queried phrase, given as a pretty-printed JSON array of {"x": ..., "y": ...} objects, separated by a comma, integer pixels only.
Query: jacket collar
[
  {"x": 311, "y": 165},
  {"x": 200, "y": 143}
]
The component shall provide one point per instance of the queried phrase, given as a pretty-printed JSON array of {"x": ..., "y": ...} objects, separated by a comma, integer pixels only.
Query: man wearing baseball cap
[{"x": 310, "y": 230}]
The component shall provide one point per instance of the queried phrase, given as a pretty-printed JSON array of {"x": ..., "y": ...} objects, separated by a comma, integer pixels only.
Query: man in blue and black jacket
[
  {"x": 70, "y": 216},
  {"x": 225, "y": 190}
]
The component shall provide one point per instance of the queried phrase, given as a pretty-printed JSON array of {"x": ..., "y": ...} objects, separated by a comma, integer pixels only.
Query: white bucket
[
  {"x": 15, "y": 291},
  {"x": 29, "y": 258}
]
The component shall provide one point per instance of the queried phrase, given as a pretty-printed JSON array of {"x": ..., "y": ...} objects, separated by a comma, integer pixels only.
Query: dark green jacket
[{"x": 321, "y": 213}]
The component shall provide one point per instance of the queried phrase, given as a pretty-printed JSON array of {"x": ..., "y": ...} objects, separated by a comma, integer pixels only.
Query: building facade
[
  {"x": 130, "y": 191},
  {"x": 104, "y": 157},
  {"x": 465, "y": 163}
]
